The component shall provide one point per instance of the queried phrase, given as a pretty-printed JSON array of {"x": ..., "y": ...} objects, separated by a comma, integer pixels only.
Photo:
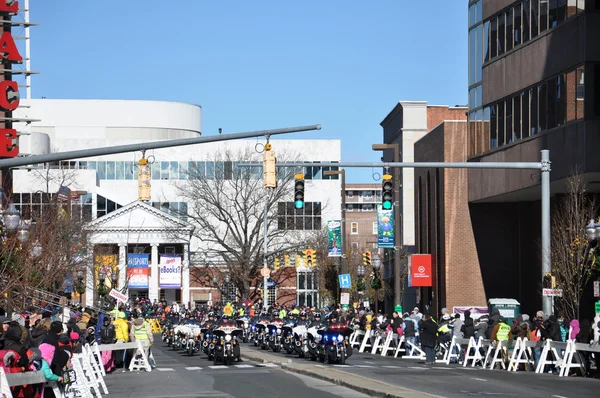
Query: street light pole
[
  {"x": 265, "y": 250},
  {"x": 344, "y": 259},
  {"x": 399, "y": 243}
]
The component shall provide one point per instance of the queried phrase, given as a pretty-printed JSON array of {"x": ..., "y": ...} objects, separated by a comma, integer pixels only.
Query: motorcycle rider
[
  {"x": 302, "y": 321},
  {"x": 316, "y": 322}
]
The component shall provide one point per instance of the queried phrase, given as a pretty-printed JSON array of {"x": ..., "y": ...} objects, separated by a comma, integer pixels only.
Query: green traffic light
[
  {"x": 299, "y": 204},
  {"x": 387, "y": 205}
]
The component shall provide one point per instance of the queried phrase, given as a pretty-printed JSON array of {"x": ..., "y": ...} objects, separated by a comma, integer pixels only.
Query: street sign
[
  {"x": 597, "y": 307},
  {"x": 118, "y": 295},
  {"x": 345, "y": 298},
  {"x": 269, "y": 284},
  {"x": 345, "y": 281},
  {"x": 552, "y": 292},
  {"x": 265, "y": 271},
  {"x": 398, "y": 309},
  {"x": 596, "y": 288}
]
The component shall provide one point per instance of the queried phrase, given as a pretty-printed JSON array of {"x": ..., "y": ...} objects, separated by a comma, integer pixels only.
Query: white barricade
[
  {"x": 474, "y": 351},
  {"x": 96, "y": 355},
  {"x": 500, "y": 354},
  {"x": 94, "y": 366},
  {"x": 572, "y": 357},
  {"x": 389, "y": 344},
  {"x": 355, "y": 338},
  {"x": 521, "y": 354},
  {"x": 82, "y": 385},
  {"x": 366, "y": 342},
  {"x": 550, "y": 347},
  {"x": 457, "y": 343},
  {"x": 140, "y": 357},
  {"x": 21, "y": 379}
]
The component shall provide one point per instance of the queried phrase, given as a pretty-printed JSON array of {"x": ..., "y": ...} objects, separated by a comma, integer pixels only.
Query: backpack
[
  {"x": 107, "y": 334},
  {"x": 409, "y": 328}
]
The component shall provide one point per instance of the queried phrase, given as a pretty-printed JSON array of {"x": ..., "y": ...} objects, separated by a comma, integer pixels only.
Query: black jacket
[{"x": 428, "y": 333}]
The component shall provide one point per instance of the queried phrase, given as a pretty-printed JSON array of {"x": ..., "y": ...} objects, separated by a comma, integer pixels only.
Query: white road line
[
  {"x": 364, "y": 366},
  {"x": 219, "y": 367},
  {"x": 244, "y": 366},
  {"x": 440, "y": 367},
  {"x": 369, "y": 362},
  {"x": 417, "y": 367},
  {"x": 392, "y": 367},
  {"x": 559, "y": 396},
  {"x": 478, "y": 379},
  {"x": 267, "y": 365},
  {"x": 343, "y": 366},
  {"x": 193, "y": 368},
  {"x": 165, "y": 369}
]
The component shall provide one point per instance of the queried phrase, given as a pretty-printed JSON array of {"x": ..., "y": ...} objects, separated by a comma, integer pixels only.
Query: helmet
[
  {"x": 211, "y": 314},
  {"x": 446, "y": 317},
  {"x": 317, "y": 315},
  {"x": 303, "y": 314},
  {"x": 226, "y": 317}
]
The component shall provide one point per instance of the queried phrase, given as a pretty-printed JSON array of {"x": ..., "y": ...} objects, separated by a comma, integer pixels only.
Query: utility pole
[
  {"x": 344, "y": 259},
  {"x": 270, "y": 182},
  {"x": 399, "y": 242}
]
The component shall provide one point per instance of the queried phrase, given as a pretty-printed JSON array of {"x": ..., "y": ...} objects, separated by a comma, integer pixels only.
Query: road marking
[
  {"x": 165, "y": 369},
  {"x": 559, "y": 396},
  {"x": 244, "y": 366},
  {"x": 441, "y": 367},
  {"x": 343, "y": 366},
  {"x": 193, "y": 368},
  {"x": 267, "y": 365},
  {"x": 417, "y": 367},
  {"x": 364, "y": 366},
  {"x": 219, "y": 367},
  {"x": 369, "y": 362},
  {"x": 478, "y": 379},
  {"x": 393, "y": 367}
]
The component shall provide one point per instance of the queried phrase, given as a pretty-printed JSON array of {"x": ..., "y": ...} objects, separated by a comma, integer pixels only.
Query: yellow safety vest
[
  {"x": 503, "y": 331},
  {"x": 141, "y": 333}
]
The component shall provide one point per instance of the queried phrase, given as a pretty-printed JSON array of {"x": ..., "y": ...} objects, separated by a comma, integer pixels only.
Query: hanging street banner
[
  {"x": 170, "y": 271},
  {"x": 385, "y": 228},
  {"x": 138, "y": 271},
  {"x": 334, "y": 238}
]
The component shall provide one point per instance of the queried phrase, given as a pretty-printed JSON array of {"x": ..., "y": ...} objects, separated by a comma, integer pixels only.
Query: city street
[
  {"x": 178, "y": 375},
  {"x": 440, "y": 379}
]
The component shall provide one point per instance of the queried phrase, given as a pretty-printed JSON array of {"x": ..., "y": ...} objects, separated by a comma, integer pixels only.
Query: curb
[
  {"x": 381, "y": 389},
  {"x": 264, "y": 358}
]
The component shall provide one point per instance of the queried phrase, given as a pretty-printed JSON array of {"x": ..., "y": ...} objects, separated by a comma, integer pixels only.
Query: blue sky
[{"x": 254, "y": 65}]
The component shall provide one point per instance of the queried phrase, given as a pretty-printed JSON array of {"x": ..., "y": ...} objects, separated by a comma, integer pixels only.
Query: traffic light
[
  {"x": 269, "y": 167},
  {"x": 310, "y": 258},
  {"x": 286, "y": 260},
  {"x": 367, "y": 259},
  {"x": 548, "y": 281},
  {"x": 387, "y": 192},
  {"x": 313, "y": 258},
  {"x": 276, "y": 263},
  {"x": 299, "y": 261},
  {"x": 299, "y": 191}
]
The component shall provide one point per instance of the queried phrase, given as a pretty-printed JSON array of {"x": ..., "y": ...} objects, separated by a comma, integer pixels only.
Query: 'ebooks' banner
[
  {"x": 170, "y": 272},
  {"x": 137, "y": 271}
]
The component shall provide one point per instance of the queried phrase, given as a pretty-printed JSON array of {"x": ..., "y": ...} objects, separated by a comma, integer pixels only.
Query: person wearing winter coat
[
  {"x": 47, "y": 353},
  {"x": 468, "y": 328},
  {"x": 428, "y": 334},
  {"x": 574, "y": 329},
  {"x": 585, "y": 336}
]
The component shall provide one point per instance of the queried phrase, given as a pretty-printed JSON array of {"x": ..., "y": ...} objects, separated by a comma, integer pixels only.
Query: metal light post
[
  {"x": 592, "y": 231},
  {"x": 399, "y": 243},
  {"x": 344, "y": 258},
  {"x": 101, "y": 287},
  {"x": 360, "y": 273},
  {"x": 376, "y": 261}
]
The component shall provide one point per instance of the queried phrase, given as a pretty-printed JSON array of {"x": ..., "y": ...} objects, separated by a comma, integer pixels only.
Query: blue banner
[
  {"x": 385, "y": 228},
  {"x": 137, "y": 271}
]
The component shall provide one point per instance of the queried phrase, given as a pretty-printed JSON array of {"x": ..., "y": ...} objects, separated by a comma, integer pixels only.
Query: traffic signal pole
[
  {"x": 265, "y": 249},
  {"x": 544, "y": 166}
]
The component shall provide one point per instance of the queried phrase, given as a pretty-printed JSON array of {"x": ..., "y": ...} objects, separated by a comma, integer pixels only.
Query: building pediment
[{"x": 141, "y": 217}]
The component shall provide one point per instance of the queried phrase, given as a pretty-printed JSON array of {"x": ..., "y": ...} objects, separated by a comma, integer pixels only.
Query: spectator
[
  {"x": 428, "y": 332},
  {"x": 47, "y": 353}
]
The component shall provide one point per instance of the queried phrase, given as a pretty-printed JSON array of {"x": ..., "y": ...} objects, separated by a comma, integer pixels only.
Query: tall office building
[{"x": 534, "y": 83}]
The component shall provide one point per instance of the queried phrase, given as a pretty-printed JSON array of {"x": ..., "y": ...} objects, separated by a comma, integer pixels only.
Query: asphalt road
[
  {"x": 455, "y": 380},
  {"x": 179, "y": 376}
]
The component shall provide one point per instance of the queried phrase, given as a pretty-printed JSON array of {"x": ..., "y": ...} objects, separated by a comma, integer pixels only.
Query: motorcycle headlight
[
  {"x": 228, "y": 337},
  {"x": 340, "y": 338},
  {"x": 278, "y": 331},
  {"x": 325, "y": 337}
]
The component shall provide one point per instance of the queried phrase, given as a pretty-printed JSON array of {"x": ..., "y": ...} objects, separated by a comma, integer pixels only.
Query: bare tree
[
  {"x": 228, "y": 210},
  {"x": 572, "y": 256}
]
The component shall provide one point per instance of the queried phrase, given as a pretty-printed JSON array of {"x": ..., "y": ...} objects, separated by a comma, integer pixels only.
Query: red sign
[
  {"x": 9, "y": 90},
  {"x": 421, "y": 270},
  {"x": 265, "y": 272}
]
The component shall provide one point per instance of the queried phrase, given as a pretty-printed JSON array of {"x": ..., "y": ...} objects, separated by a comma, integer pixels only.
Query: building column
[
  {"x": 121, "y": 284},
  {"x": 185, "y": 278},
  {"x": 153, "y": 291},
  {"x": 90, "y": 287}
]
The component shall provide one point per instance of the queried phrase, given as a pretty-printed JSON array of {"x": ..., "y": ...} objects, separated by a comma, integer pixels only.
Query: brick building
[
  {"x": 361, "y": 216},
  {"x": 443, "y": 222}
]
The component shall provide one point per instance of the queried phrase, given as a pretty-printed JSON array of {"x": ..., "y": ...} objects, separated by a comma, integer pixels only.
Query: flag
[{"x": 63, "y": 193}]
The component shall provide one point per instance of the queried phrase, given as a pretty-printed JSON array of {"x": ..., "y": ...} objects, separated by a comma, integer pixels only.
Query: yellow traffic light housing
[
  {"x": 269, "y": 167},
  {"x": 286, "y": 260},
  {"x": 367, "y": 259},
  {"x": 276, "y": 263}
]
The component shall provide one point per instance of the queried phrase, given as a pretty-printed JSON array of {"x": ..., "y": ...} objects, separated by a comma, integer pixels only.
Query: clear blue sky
[{"x": 254, "y": 65}]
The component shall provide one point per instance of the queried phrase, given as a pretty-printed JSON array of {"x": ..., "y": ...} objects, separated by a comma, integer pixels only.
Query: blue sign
[
  {"x": 270, "y": 284},
  {"x": 345, "y": 281}
]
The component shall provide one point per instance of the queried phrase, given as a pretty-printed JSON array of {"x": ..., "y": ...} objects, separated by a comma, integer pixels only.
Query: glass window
[
  {"x": 92, "y": 165},
  {"x": 510, "y": 33},
  {"x": 553, "y": 13},
  {"x": 228, "y": 170},
  {"x": 183, "y": 170},
  {"x": 219, "y": 170},
  {"x": 473, "y": 14},
  {"x": 571, "y": 8},
  {"x": 581, "y": 5},
  {"x": 128, "y": 170},
  {"x": 155, "y": 171},
  {"x": 533, "y": 101},
  {"x": 173, "y": 170},
  {"x": 542, "y": 107},
  {"x": 518, "y": 26},
  {"x": 317, "y": 173},
  {"x": 525, "y": 20},
  {"x": 494, "y": 126},
  {"x": 472, "y": 43},
  {"x": 561, "y": 11},
  {"x": 102, "y": 170},
  {"x": 110, "y": 170},
  {"x": 164, "y": 170},
  {"x": 509, "y": 121},
  {"x": 501, "y": 124},
  {"x": 210, "y": 170},
  {"x": 494, "y": 39},
  {"x": 551, "y": 104},
  {"x": 485, "y": 142},
  {"x": 561, "y": 100},
  {"x": 525, "y": 126},
  {"x": 375, "y": 228},
  {"x": 486, "y": 41},
  {"x": 120, "y": 170},
  {"x": 580, "y": 91},
  {"x": 516, "y": 128},
  {"x": 535, "y": 8},
  {"x": 543, "y": 16},
  {"x": 354, "y": 228},
  {"x": 501, "y": 33}
]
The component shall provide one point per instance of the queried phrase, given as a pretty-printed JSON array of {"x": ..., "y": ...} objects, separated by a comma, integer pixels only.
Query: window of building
[
  {"x": 229, "y": 293},
  {"x": 366, "y": 194},
  {"x": 510, "y": 34},
  {"x": 501, "y": 123},
  {"x": 375, "y": 230},
  {"x": 525, "y": 122},
  {"x": 493, "y": 126},
  {"x": 175, "y": 209},
  {"x": 307, "y": 289},
  {"x": 354, "y": 228},
  {"x": 494, "y": 38},
  {"x": 533, "y": 100},
  {"x": 354, "y": 246},
  {"x": 543, "y": 16},
  {"x": 580, "y": 90},
  {"x": 350, "y": 194},
  {"x": 349, "y": 207},
  {"x": 518, "y": 36},
  {"x": 291, "y": 219},
  {"x": 501, "y": 33},
  {"x": 535, "y": 10},
  {"x": 105, "y": 206}
]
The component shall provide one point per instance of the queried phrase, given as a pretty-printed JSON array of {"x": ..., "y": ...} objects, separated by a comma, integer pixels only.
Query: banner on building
[
  {"x": 170, "y": 271},
  {"x": 421, "y": 268},
  {"x": 385, "y": 228},
  {"x": 334, "y": 238},
  {"x": 138, "y": 271},
  {"x": 108, "y": 264}
]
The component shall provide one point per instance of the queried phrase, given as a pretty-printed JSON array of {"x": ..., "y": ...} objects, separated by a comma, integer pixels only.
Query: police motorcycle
[
  {"x": 243, "y": 323},
  {"x": 287, "y": 335},
  {"x": 225, "y": 342},
  {"x": 334, "y": 345},
  {"x": 261, "y": 338},
  {"x": 298, "y": 335},
  {"x": 193, "y": 341},
  {"x": 206, "y": 335},
  {"x": 274, "y": 334},
  {"x": 311, "y": 338}
]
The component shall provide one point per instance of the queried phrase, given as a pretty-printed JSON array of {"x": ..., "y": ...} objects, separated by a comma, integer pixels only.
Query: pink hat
[
  {"x": 47, "y": 352},
  {"x": 74, "y": 336}
]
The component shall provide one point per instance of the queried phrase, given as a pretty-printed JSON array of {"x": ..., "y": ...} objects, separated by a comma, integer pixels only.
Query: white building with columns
[{"x": 104, "y": 189}]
